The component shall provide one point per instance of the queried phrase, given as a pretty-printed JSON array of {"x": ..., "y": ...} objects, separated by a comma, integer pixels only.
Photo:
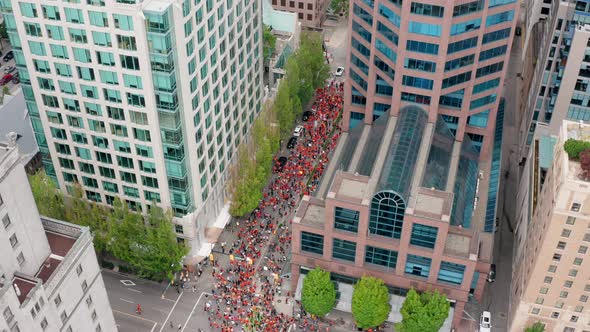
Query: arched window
[{"x": 387, "y": 214}]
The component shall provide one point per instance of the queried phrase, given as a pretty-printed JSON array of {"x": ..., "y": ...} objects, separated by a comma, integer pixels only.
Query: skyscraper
[
  {"x": 550, "y": 277},
  {"x": 49, "y": 275},
  {"x": 145, "y": 100},
  {"x": 410, "y": 193}
]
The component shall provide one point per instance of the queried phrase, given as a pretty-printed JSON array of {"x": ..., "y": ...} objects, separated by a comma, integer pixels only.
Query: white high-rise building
[
  {"x": 49, "y": 276},
  {"x": 145, "y": 100}
]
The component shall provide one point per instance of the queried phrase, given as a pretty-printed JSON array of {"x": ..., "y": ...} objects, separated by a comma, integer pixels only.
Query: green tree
[
  {"x": 163, "y": 254},
  {"x": 370, "y": 302},
  {"x": 245, "y": 195},
  {"x": 574, "y": 147},
  {"x": 537, "y": 327},
  {"x": 339, "y": 7},
  {"x": 127, "y": 234},
  {"x": 424, "y": 312},
  {"x": 50, "y": 201},
  {"x": 318, "y": 295},
  {"x": 269, "y": 42}
]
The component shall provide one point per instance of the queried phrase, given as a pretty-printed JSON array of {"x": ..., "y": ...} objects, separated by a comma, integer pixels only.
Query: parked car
[
  {"x": 339, "y": 71},
  {"x": 9, "y": 69},
  {"x": 492, "y": 273},
  {"x": 292, "y": 142},
  {"x": 485, "y": 322},
  {"x": 16, "y": 80},
  {"x": 9, "y": 56},
  {"x": 280, "y": 164},
  {"x": 7, "y": 78},
  {"x": 298, "y": 131},
  {"x": 306, "y": 115}
]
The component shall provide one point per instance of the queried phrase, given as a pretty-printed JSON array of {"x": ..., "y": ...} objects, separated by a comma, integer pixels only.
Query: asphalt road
[{"x": 161, "y": 305}]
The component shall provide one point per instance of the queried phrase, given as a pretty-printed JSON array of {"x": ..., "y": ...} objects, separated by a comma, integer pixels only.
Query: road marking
[
  {"x": 154, "y": 327},
  {"x": 167, "y": 299},
  {"x": 126, "y": 300},
  {"x": 127, "y": 282},
  {"x": 192, "y": 311},
  {"x": 170, "y": 313},
  {"x": 134, "y": 316},
  {"x": 134, "y": 290}
]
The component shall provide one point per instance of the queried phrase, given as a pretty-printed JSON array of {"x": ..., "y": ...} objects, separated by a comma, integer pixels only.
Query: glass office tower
[{"x": 144, "y": 100}]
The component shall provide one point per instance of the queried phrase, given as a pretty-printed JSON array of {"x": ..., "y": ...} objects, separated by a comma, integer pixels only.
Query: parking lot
[{"x": 12, "y": 87}]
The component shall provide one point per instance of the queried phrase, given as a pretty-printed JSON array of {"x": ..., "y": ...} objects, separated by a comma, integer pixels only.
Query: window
[
  {"x": 313, "y": 243},
  {"x": 44, "y": 324},
  {"x": 179, "y": 229},
  {"x": 20, "y": 258},
  {"x": 389, "y": 15},
  {"x": 387, "y": 215},
  {"x": 496, "y": 35},
  {"x": 421, "y": 65},
  {"x": 555, "y": 314},
  {"x": 566, "y": 232},
  {"x": 93, "y": 315},
  {"x": 582, "y": 249},
  {"x": 84, "y": 285},
  {"x": 346, "y": 220},
  {"x": 421, "y": 47},
  {"x": 8, "y": 315},
  {"x": 425, "y": 28},
  {"x": 539, "y": 300},
  {"x": 563, "y": 294},
  {"x": 63, "y": 316},
  {"x": 490, "y": 69},
  {"x": 6, "y": 221},
  {"x": 492, "y": 53},
  {"x": 552, "y": 268},
  {"x": 418, "y": 265},
  {"x": 500, "y": 18},
  {"x": 468, "y": 8},
  {"x": 456, "y": 79},
  {"x": 342, "y": 249},
  {"x": 382, "y": 257},
  {"x": 568, "y": 284},
  {"x": 423, "y": 236},
  {"x": 417, "y": 82},
  {"x": 577, "y": 261},
  {"x": 57, "y": 300},
  {"x": 586, "y": 237},
  {"x": 557, "y": 257},
  {"x": 79, "y": 269},
  {"x": 576, "y": 207},
  {"x": 573, "y": 273},
  {"x": 584, "y": 298},
  {"x": 451, "y": 272},
  {"x": 13, "y": 240},
  {"x": 462, "y": 45},
  {"x": 548, "y": 280},
  {"x": 535, "y": 311},
  {"x": 426, "y": 9},
  {"x": 471, "y": 25},
  {"x": 544, "y": 290}
]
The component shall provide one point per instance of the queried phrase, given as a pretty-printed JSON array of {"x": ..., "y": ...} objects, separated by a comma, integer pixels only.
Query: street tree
[
  {"x": 370, "y": 302},
  {"x": 269, "y": 43},
  {"x": 50, "y": 201},
  {"x": 424, "y": 312},
  {"x": 163, "y": 254},
  {"x": 537, "y": 327},
  {"x": 318, "y": 294}
]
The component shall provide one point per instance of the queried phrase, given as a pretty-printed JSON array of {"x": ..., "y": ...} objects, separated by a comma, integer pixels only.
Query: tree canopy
[
  {"x": 370, "y": 302},
  {"x": 146, "y": 243},
  {"x": 306, "y": 70},
  {"x": 269, "y": 41},
  {"x": 424, "y": 312},
  {"x": 318, "y": 294},
  {"x": 537, "y": 327}
]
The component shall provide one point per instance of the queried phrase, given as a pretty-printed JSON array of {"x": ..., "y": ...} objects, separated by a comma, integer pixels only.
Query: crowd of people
[{"x": 245, "y": 290}]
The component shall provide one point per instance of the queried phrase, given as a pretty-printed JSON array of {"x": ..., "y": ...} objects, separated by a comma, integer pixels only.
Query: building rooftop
[
  {"x": 23, "y": 286},
  {"x": 310, "y": 212}
]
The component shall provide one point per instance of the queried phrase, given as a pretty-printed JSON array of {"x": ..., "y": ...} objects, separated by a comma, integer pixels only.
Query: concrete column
[
  {"x": 459, "y": 307},
  {"x": 294, "y": 277}
]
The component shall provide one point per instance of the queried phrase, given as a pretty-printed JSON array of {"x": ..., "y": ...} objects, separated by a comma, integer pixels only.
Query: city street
[
  {"x": 158, "y": 312},
  {"x": 497, "y": 294}
]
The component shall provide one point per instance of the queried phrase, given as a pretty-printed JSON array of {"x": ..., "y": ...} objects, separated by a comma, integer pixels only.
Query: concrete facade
[
  {"x": 550, "y": 275},
  {"x": 142, "y": 100},
  {"x": 311, "y": 13},
  {"x": 49, "y": 274}
]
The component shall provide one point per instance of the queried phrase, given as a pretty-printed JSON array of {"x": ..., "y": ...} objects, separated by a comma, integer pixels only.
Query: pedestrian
[
  {"x": 179, "y": 327},
  {"x": 171, "y": 325}
]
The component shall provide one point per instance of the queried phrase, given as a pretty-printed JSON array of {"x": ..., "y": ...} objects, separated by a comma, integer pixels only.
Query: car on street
[
  {"x": 16, "y": 79},
  {"x": 492, "y": 273},
  {"x": 9, "y": 69},
  {"x": 306, "y": 115},
  {"x": 339, "y": 71},
  {"x": 485, "y": 322},
  {"x": 280, "y": 164},
  {"x": 298, "y": 131},
  {"x": 292, "y": 142},
  {"x": 7, "y": 78},
  {"x": 9, "y": 56}
]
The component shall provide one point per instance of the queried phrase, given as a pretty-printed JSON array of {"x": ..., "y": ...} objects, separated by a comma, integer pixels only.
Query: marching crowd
[{"x": 244, "y": 290}]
